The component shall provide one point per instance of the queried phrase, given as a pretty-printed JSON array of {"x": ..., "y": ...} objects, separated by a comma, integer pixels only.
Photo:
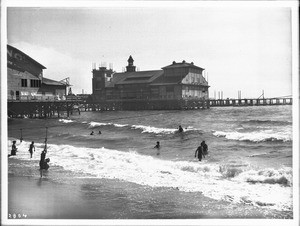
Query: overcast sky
[{"x": 241, "y": 48}]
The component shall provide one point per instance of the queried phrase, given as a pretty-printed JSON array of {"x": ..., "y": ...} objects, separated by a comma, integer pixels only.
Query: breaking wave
[
  {"x": 143, "y": 128},
  {"x": 226, "y": 182},
  {"x": 262, "y": 136},
  {"x": 65, "y": 120}
]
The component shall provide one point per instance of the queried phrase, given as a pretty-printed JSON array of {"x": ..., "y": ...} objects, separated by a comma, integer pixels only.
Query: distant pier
[{"x": 250, "y": 102}]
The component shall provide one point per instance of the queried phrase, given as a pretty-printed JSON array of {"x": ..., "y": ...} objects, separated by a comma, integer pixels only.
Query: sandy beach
[{"x": 65, "y": 195}]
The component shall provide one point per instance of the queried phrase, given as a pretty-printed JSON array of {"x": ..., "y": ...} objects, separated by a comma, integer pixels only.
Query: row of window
[{"x": 33, "y": 83}]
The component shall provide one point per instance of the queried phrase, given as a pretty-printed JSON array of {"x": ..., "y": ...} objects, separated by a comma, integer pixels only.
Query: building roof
[
  {"x": 182, "y": 64},
  {"x": 168, "y": 80},
  {"x": 34, "y": 61},
  {"x": 136, "y": 77},
  {"x": 51, "y": 82}
]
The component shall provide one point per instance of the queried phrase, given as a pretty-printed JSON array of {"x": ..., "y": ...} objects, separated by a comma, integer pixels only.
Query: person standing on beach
[
  {"x": 200, "y": 152},
  {"x": 13, "y": 149},
  {"x": 31, "y": 147},
  {"x": 43, "y": 157},
  {"x": 43, "y": 161}
]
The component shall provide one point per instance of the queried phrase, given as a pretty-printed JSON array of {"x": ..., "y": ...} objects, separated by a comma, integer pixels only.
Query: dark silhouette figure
[
  {"x": 180, "y": 130},
  {"x": 43, "y": 161},
  {"x": 100, "y": 132},
  {"x": 13, "y": 149},
  {"x": 157, "y": 146},
  {"x": 204, "y": 148},
  {"x": 92, "y": 133},
  {"x": 199, "y": 151},
  {"x": 31, "y": 148}
]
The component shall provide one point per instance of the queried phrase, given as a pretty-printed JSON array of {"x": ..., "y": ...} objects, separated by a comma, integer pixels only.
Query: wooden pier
[
  {"x": 250, "y": 102},
  {"x": 41, "y": 109},
  {"x": 57, "y": 108}
]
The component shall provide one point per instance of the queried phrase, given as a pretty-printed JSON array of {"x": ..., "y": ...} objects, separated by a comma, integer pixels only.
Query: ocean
[{"x": 248, "y": 166}]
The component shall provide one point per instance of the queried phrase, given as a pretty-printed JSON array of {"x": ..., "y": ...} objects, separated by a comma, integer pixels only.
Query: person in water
[
  {"x": 157, "y": 146},
  {"x": 31, "y": 147},
  {"x": 100, "y": 132},
  {"x": 180, "y": 130},
  {"x": 92, "y": 133},
  {"x": 199, "y": 151},
  {"x": 204, "y": 148},
  {"x": 13, "y": 149}
]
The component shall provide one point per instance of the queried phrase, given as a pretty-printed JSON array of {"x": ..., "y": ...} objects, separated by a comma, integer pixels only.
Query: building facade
[
  {"x": 178, "y": 81},
  {"x": 25, "y": 80}
]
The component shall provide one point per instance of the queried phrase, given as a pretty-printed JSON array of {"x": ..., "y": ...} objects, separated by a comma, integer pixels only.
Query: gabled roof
[
  {"x": 51, "y": 82},
  {"x": 17, "y": 50},
  {"x": 182, "y": 64},
  {"x": 136, "y": 77},
  {"x": 168, "y": 80}
]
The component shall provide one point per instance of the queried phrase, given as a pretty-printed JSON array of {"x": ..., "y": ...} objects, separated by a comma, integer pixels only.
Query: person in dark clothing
[
  {"x": 31, "y": 147},
  {"x": 199, "y": 151},
  {"x": 157, "y": 146},
  {"x": 92, "y": 133},
  {"x": 43, "y": 161},
  {"x": 13, "y": 149},
  {"x": 180, "y": 130},
  {"x": 204, "y": 148},
  {"x": 100, "y": 132},
  {"x": 43, "y": 157}
]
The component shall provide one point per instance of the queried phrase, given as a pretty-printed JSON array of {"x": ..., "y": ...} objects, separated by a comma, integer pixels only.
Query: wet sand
[{"x": 65, "y": 195}]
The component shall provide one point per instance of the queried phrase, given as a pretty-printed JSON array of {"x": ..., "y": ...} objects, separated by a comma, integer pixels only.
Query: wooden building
[
  {"x": 25, "y": 80},
  {"x": 175, "y": 82}
]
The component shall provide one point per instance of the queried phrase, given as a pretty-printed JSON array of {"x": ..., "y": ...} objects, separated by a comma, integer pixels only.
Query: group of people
[
  {"x": 92, "y": 133},
  {"x": 43, "y": 161},
  {"x": 202, "y": 150},
  {"x": 200, "y": 153}
]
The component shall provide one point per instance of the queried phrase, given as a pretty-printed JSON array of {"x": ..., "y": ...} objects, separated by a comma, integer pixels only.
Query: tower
[{"x": 130, "y": 67}]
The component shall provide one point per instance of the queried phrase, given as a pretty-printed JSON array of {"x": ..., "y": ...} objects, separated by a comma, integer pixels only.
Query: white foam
[
  {"x": 257, "y": 187},
  {"x": 266, "y": 135},
  {"x": 97, "y": 124},
  {"x": 151, "y": 129},
  {"x": 65, "y": 120}
]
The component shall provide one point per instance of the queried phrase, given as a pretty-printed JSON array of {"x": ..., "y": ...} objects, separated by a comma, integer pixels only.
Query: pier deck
[{"x": 55, "y": 108}]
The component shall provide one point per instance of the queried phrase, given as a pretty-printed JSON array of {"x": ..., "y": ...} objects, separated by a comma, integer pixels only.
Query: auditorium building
[
  {"x": 176, "y": 86},
  {"x": 25, "y": 80}
]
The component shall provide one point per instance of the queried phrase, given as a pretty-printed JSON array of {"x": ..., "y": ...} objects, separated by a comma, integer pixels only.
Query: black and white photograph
[{"x": 149, "y": 113}]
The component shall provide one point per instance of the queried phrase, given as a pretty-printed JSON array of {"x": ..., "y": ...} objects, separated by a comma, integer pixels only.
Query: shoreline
[{"x": 65, "y": 195}]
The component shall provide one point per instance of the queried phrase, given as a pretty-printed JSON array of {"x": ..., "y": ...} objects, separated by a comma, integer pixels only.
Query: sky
[{"x": 245, "y": 49}]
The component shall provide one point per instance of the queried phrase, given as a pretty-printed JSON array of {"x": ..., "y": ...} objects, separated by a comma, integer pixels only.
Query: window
[
  {"x": 35, "y": 83},
  {"x": 24, "y": 82}
]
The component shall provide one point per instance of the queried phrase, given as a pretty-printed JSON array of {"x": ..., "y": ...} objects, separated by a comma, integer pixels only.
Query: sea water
[{"x": 249, "y": 157}]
